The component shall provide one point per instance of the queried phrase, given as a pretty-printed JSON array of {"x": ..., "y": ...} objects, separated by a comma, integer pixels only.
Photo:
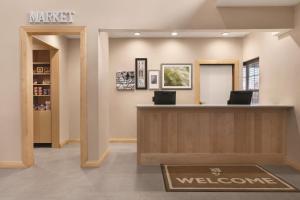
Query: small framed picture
[
  {"x": 125, "y": 80},
  {"x": 153, "y": 79},
  {"x": 40, "y": 70},
  {"x": 177, "y": 76},
  {"x": 141, "y": 73}
]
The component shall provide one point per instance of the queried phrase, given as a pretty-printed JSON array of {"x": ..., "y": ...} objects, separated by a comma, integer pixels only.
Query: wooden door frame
[
  {"x": 26, "y": 33},
  {"x": 235, "y": 73}
]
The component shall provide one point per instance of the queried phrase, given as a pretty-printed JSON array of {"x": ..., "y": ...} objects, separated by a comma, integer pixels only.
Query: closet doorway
[
  {"x": 215, "y": 66},
  {"x": 27, "y": 90}
]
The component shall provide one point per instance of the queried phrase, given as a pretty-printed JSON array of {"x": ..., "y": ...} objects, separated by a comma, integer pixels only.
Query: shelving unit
[{"x": 42, "y": 98}]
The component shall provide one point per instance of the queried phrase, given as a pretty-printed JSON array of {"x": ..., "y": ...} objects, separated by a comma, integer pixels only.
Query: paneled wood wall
[{"x": 211, "y": 135}]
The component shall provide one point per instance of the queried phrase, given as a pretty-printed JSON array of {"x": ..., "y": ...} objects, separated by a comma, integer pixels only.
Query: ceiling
[
  {"x": 238, "y": 3},
  {"x": 167, "y": 34}
]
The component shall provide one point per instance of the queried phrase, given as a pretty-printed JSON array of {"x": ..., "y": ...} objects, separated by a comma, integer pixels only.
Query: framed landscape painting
[{"x": 177, "y": 76}]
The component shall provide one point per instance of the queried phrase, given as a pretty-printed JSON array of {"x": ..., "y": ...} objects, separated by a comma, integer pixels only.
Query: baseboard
[
  {"x": 62, "y": 144},
  {"x": 122, "y": 140},
  {"x": 294, "y": 164},
  {"x": 71, "y": 141},
  {"x": 12, "y": 165},
  {"x": 96, "y": 163}
]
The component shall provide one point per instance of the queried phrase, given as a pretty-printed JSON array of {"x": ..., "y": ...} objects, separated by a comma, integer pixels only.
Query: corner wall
[
  {"x": 279, "y": 75},
  {"x": 104, "y": 87}
]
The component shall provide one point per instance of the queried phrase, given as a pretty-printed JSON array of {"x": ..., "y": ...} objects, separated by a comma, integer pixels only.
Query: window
[{"x": 251, "y": 78}]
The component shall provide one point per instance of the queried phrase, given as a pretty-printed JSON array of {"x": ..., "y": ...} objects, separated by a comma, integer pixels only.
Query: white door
[{"x": 215, "y": 83}]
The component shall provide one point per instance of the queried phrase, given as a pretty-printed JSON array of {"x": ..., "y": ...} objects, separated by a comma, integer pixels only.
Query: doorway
[
  {"x": 222, "y": 75},
  {"x": 26, "y": 37},
  {"x": 215, "y": 83}
]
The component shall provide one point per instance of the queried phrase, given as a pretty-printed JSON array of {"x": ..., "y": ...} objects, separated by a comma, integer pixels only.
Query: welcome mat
[{"x": 229, "y": 178}]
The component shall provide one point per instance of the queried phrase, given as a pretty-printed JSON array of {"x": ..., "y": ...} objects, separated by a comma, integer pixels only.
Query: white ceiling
[
  {"x": 167, "y": 34},
  {"x": 236, "y": 3}
]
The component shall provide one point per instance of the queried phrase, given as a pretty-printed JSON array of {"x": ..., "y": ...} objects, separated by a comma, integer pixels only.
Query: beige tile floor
[{"x": 57, "y": 176}]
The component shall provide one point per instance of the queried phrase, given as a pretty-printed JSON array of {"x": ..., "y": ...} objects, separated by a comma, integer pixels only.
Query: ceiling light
[
  {"x": 174, "y": 33},
  {"x": 137, "y": 34},
  {"x": 225, "y": 34}
]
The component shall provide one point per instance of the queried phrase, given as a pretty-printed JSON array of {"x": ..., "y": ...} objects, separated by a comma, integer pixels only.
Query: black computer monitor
[
  {"x": 240, "y": 97},
  {"x": 164, "y": 97}
]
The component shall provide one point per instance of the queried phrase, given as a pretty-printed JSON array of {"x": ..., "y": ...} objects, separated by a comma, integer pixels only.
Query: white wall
[
  {"x": 129, "y": 14},
  {"x": 279, "y": 75},
  {"x": 122, "y": 58},
  {"x": 104, "y": 87},
  {"x": 73, "y": 64},
  {"x": 215, "y": 83}
]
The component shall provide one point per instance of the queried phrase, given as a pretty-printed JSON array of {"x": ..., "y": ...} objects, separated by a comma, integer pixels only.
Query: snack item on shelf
[
  {"x": 41, "y": 107},
  {"x": 48, "y": 105}
]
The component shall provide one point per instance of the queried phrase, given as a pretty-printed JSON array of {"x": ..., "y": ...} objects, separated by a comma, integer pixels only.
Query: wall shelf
[
  {"x": 41, "y": 63},
  {"x": 41, "y": 74},
  {"x": 42, "y": 118}
]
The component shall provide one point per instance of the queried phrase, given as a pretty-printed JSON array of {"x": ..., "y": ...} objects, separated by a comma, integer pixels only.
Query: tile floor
[{"x": 57, "y": 176}]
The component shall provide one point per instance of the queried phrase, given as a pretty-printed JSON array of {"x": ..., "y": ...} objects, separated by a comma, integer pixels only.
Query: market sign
[{"x": 51, "y": 17}]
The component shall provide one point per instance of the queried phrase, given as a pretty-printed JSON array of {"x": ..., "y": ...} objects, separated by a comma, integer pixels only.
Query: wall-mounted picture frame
[
  {"x": 40, "y": 70},
  {"x": 125, "y": 80},
  {"x": 141, "y": 73},
  {"x": 153, "y": 79},
  {"x": 177, "y": 76}
]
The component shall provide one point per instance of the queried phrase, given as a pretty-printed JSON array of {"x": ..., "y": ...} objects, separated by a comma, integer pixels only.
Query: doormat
[{"x": 224, "y": 178}]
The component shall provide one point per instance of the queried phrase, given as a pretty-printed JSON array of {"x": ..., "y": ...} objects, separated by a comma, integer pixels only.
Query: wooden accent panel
[
  {"x": 83, "y": 98},
  {"x": 97, "y": 163},
  {"x": 26, "y": 33},
  {"x": 235, "y": 74},
  {"x": 122, "y": 140},
  {"x": 54, "y": 55},
  {"x": 211, "y": 131},
  {"x": 12, "y": 165},
  {"x": 42, "y": 127},
  {"x": 26, "y": 98},
  {"x": 208, "y": 158}
]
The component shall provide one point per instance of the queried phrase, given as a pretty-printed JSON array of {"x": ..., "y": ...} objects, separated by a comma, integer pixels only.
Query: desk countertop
[{"x": 214, "y": 106}]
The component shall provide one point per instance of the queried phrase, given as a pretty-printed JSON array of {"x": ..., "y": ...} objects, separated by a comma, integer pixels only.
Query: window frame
[{"x": 247, "y": 77}]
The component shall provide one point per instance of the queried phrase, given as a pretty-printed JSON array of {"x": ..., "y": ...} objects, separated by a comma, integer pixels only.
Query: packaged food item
[{"x": 48, "y": 105}]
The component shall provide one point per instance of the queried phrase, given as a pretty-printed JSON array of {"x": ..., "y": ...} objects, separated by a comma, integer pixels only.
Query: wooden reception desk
[{"x": 198, "y": 134}]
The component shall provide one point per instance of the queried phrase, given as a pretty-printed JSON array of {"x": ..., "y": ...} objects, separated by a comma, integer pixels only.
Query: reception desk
[{"x": 208, "y": 134}]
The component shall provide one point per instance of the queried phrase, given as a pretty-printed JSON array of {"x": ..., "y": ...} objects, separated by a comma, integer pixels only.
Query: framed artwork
[
  {"x": 125, "y": 80},
  {"x": 153, "y": 79},
  {"x": 177, "y": 76},
  {"x": 141, "y": 73},
  {"x": 40, "y": 70}
]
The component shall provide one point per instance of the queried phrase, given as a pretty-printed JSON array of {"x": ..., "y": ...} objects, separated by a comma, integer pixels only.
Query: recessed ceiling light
[
  {"x": 225, "y": 34},
  {"x": 174, "y": 33},
  {"x": 137, "y": 34}
]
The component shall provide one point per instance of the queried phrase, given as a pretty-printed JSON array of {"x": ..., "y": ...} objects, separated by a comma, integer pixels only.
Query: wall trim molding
[
  {"x": 96, "y": 163},
  {"x": 26, "y": 33},
  {"x": 294, "y": 164},
  {"x": 12, "y": 165},
  {"x": 122, "y": 140},
  {"x": 71, "y": 141}
]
